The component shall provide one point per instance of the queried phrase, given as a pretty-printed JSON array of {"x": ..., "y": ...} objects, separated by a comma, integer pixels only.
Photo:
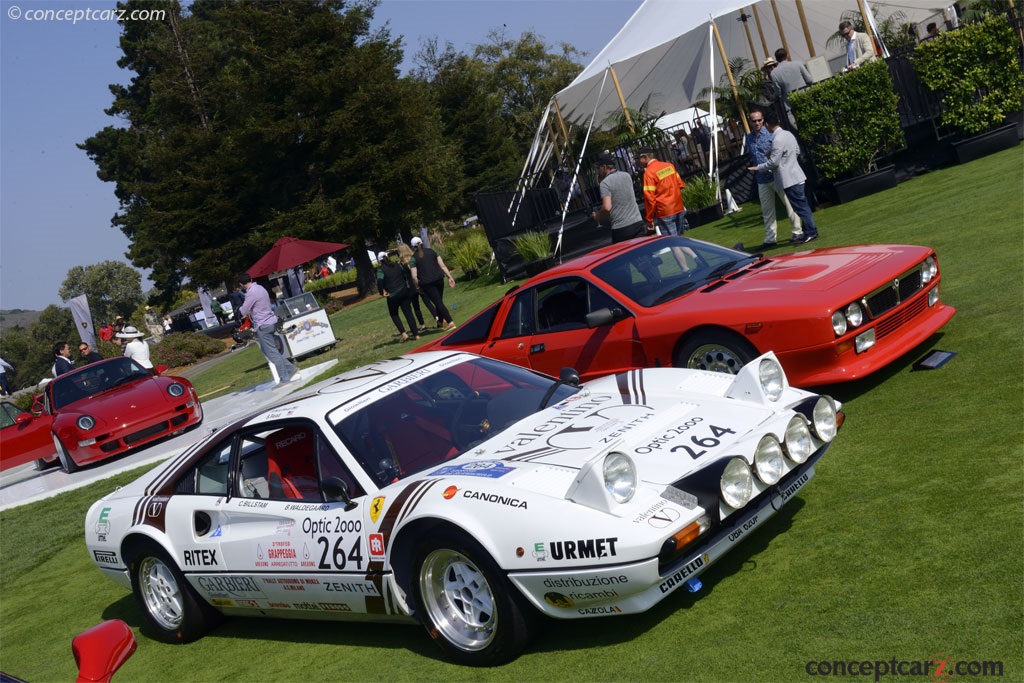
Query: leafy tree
[
  {"x": 893, "y": 29},
  {"x": 113, "y": 288},
  {"x": 249, "y": 121}
]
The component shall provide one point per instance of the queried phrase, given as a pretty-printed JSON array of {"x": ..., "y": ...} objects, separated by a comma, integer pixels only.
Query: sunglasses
[{"x": 756, "y": 120}]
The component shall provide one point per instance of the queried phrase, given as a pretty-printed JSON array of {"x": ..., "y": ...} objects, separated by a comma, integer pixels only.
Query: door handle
[{"x": 537, "y": 348}]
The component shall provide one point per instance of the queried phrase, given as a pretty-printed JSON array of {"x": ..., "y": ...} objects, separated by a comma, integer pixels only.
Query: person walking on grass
[
  {"x": 257, "y": 306},
  {"x": 394, "y": 282},
  {"x": 428, "y": 274}
]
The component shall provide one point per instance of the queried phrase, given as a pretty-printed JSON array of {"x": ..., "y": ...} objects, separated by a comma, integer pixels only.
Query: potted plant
[
  {"x": 469, "y": 252},
  {"x": 700, "y": 197},
  {"x": 851, "y": 121},
  {"x": 535, "y": 248},
  {"x": 976, "y": 73}
]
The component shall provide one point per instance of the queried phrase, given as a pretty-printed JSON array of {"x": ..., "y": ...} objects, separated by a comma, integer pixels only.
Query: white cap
[
  {"x": 415, "y": 242},
  {"x": 382, "y": 256}
]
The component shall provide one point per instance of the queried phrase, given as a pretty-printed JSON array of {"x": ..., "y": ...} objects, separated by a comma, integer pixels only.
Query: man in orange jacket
[{"x": 663, "y": 199}]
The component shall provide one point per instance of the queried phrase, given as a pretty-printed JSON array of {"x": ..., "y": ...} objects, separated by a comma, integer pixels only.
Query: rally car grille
[
  {"x": 901, "y": 317},
  {"x": 894, "y": 293}
]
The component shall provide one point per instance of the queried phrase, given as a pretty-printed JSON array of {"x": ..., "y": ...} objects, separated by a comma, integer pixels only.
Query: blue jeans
[
  {"x": 268, "y": 345},
  {"x": 798, "y": 200},
  {"x": 673, "y": 225}
]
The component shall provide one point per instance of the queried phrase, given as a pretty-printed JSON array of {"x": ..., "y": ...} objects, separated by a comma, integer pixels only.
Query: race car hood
[
  {"x": 669, "y": 431},
  {"x": 825, "y": 270}
]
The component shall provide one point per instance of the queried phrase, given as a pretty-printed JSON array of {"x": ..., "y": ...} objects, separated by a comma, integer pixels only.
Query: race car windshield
[
  {"x": 660, "y": 270},
  {"x": 422, "y": 423}
]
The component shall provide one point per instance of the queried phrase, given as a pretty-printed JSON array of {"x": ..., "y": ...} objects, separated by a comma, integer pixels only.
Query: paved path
[{"x": 22, "y": 485}]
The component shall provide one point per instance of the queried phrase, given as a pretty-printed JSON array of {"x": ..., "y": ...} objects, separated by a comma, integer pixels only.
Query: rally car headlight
[
  {"x": 768, "y": 460},
  {"x": 773, "y": 380},
  {"x": 798, "y": 440},
  {"x": 176, "y": 390},
  {"x": 619, "y": 477},
  {"x": 737, "y": 483},
  {"x": 839, "y": 323},
  {"x": 854, "y": 314},
  {"x": 85, "y": 423},
  {"x": 929, "y": 269},
  {"x": 824, "y": 417}
]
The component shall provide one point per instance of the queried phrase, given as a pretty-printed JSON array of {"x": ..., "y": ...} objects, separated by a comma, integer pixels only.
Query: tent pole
[
  {"x": 1020, "y": 33},
  {"x": 865, "y": 17},
  {"x": 760, "y": 31},
  {"x": 750, "y": 41},
  {"x": 732, "y": 81},
  {"x": 778, "y": 22},
  {"x": 561, "y": 121},
  {"x": 622, "y": 100},
  {"x": 807, "y": 30}
]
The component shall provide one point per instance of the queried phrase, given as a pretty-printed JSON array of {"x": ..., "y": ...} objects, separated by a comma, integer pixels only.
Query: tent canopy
[
  {"x": 664, "y": 51},
  {"x": 289, "y": 252}
]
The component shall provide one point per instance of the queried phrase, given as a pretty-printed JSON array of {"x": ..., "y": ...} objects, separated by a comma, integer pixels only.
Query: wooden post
[
  {"x": 622, "y": 100},
  {"x": 778, "y": 22},
  {"x": 760, "y": 31},
  {"x": 750, "y": 41},
  {"x": 867, "y": 25},
  {"x": 732, "y": 81},
  {"x": 561, "y": 121},
  {"x": 807, "y": 30}
]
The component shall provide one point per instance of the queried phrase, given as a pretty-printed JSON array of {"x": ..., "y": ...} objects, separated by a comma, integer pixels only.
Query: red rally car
[{"x": 830, "y": 315}]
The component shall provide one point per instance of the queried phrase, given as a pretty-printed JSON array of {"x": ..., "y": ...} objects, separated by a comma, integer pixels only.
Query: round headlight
[
  {"x": 176, "y": 390},
  {"x": 737, "y": 483},
  {"x": 798, "y": 440},
  {"x": 773, "y": 380},
  {"x": 839, "y": 323},
  {"x": 768, "y": 460},
  {"x": 854, "y": 314},
  {"x": 824, "y": 416},
  {"x": 619, "y": 477},
  {"x": 929, "y": 269},
  {"x": 85, "y": 423}
]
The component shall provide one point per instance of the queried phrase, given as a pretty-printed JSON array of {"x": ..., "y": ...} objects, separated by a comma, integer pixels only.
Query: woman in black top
[
  {"x": 394, "y": 282},
  {"x": 428, "y": 273}
]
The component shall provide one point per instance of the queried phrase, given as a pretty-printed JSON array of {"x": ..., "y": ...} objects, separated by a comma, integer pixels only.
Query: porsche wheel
[
  {"x": 715, "y": 350},
  {"x": 67, "y": 463},
  {"x": 465, "y": 603},
  {"x": 170, "y": 604}
]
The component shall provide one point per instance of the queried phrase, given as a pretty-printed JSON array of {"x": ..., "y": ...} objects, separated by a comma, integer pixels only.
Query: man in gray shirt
[
  {"x": 618, "y": 201},
  {"x": 789, "y": 76},
  {"x": 782, "y": 160}
]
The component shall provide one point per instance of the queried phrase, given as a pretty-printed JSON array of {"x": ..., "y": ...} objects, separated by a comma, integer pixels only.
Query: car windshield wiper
[
  {"x": 729, "y": 266},
  {"x": 126, "y": 379},
  {"x": 678, "y": 290}
]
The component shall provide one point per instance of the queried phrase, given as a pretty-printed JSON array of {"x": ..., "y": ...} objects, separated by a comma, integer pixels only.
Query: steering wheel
[{"x": 469, "y": 425}]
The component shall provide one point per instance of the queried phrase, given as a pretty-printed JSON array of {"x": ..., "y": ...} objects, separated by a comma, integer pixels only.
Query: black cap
[{"x": 605, "y": 159}]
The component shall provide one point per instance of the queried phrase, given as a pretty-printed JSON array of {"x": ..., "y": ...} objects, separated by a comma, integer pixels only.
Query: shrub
[
  {"x": 184, "y": 348},
  {"x": 701, "y": 191},
  {"x": 532, "y": 245},
  {"x": 469, "y": 251},
  {"x": 342, "y": 277},
  {"x": 976, "y": 72},
  {"x": 850, "y": 120}
]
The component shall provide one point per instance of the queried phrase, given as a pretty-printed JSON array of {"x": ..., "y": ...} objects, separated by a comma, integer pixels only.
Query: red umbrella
[{"x": 289, "y": 252}]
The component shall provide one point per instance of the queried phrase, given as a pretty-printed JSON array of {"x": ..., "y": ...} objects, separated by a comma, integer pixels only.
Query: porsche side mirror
[
  {"x": 24, "y": 418},
  {"x": 159, "y": 370},
  {"x": 102, "y": 650},
  {"x": 605, "y": 316}
]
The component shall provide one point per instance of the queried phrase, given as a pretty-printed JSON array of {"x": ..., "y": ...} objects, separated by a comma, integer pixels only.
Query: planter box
[
  {"x": 978, "y": 146},
  {"x": 869, "y": 183},
  {"x": 708, "y": 214}
]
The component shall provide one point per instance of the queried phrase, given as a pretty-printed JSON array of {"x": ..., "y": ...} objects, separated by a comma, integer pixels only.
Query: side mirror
[
  {"x": 159, "y": 369},
  {"x": 102, "y": 650},
  {"x": 605, "y": 316},
  {"x": 569, "y": 376},
  {"x": 336, "y": 491},
  {"x": 24, "y": 418}
]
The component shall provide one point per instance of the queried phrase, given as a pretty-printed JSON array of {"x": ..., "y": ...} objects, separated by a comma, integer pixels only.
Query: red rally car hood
[{"x": 827, "y": 270}]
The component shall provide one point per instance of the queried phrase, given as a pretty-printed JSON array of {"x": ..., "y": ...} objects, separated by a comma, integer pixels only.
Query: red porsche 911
[
  {"x": 112, "y": 406},
  {"x": 830, "y": 315}
]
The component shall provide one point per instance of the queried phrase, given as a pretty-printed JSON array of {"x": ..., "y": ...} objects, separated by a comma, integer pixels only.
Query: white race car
[{"x": 465, "y": 493}]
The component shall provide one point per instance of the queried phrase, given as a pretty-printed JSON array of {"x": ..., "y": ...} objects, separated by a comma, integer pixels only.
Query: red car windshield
[
  {"x": 660, "y": 270},
  {"x": 94, "y": 378}
]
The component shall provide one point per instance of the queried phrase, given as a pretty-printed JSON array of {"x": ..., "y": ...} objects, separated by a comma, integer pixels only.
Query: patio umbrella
[{"x": 289, "y": 252}]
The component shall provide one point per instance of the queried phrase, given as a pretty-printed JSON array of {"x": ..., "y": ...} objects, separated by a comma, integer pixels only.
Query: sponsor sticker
[
  {"x": 105, "y": 556},
  {"x": 103, "y": 525},
  {"x": 376, "y": 545},
  {"x": 583, "y": 549},
  {"x": 487, "y": 468},
  {"x": 558, "y": 600}
]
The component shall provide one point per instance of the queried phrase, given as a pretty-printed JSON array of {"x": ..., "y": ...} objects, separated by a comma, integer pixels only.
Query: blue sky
[{"x": 55, "y": 213}]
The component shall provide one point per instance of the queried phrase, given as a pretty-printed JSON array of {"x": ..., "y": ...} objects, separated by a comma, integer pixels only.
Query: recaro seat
[{"x": 291, "y": 464}]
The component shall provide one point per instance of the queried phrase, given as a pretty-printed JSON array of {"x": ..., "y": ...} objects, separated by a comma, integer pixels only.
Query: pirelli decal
[{"x": 631, "y": 387}]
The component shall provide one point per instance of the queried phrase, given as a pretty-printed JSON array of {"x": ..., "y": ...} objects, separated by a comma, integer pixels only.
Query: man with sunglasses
[
  {"x": 87, "y": 354},
  {"x": 859, "y": 49},
  {"x": 759, "y": 144}
]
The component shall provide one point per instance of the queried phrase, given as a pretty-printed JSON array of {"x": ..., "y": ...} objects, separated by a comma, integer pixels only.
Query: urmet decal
[{"x": 590, "y": 548}]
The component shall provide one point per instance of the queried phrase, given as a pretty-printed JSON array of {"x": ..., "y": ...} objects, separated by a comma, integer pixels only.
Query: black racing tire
[
  {"x": 470, "y": 609},
  {"x": 171, "y": 607},
  {"x": 67, "y": 463},
  {"x": 715, "y": 350}
]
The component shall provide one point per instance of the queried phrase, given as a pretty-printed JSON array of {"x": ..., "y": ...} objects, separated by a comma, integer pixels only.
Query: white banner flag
[
  {"x": 83, "y": 320},
  {"x": 204, "y": 301}
]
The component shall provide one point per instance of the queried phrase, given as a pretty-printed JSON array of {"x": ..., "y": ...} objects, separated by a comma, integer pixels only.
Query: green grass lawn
[{"x": 908, "y": 544}]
